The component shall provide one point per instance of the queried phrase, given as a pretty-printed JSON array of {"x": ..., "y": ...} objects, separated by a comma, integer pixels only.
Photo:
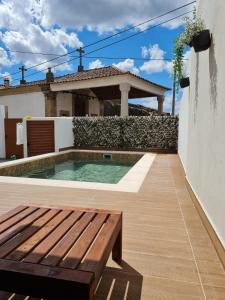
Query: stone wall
[{"x": 137, "y": 133}]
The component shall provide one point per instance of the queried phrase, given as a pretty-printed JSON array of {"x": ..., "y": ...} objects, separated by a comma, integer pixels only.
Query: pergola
[{"x": 110, "y": 83}]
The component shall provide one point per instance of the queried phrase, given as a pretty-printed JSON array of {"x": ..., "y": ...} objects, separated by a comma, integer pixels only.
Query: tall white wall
[
  {"x": 183, "y": 128},
  {"x": 64, "y": 102},
  {"x": 2, "y": 132},
  {"x": 203, "y": 147},
  {"x": 20, "y": 105}
]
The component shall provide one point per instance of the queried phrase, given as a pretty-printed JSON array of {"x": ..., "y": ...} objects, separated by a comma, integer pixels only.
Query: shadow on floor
[{"x": 120, "y": 284}]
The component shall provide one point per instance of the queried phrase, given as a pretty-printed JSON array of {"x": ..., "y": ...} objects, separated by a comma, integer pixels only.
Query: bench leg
[
  {"x": 117, "y": 249},
  {"x": 91, "y": 291}
]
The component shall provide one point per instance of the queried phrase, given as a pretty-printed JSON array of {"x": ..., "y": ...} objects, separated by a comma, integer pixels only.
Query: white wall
[
  {"x": 205, "y": 140},
  {"x": 20, "y": 105},
  {"x": 183, "y": 128},
  {"x": 2, "y": 132},
  {"x": 64, "y": 102},
  {"x": 63, "y": 133}
]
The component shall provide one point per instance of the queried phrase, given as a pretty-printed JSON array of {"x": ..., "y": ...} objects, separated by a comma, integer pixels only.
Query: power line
[
  {"x": 113, "y": 35},
  {"x": 95, "y": 57},
  {"x": 108, "y": 45},
  {"x": 130, "y": 57},
  {"x": 89, "y": 57}
]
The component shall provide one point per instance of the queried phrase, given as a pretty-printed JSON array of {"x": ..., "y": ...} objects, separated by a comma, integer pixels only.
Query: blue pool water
[{"x": 105, "y": 171}]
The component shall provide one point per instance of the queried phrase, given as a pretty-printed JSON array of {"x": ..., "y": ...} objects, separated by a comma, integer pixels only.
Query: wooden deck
[{"x": 167, "y": 253}]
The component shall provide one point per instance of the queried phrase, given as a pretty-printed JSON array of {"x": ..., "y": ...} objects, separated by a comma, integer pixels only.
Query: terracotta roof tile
[
  {"x": 87, "y": 75},
  {"x": 90, "y": 74}
]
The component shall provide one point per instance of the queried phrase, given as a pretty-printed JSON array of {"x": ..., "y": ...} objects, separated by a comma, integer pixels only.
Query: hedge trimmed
[{"x": 150, "y": 132}]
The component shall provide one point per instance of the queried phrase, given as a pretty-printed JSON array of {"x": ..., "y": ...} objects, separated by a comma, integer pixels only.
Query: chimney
[
  {"x": 6, "y": 82},
  {"x": 49, "y": 76},
  {"x": 80, "y": 69}
]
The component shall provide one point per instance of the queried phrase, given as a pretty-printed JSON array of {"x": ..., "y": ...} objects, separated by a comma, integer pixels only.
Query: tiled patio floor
[{"x": 167, "y": 253}]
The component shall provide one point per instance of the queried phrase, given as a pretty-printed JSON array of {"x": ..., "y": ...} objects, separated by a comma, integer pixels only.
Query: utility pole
[
  {"x": 22, "y": 69},
  {"x": 174, "y": 94},
  {"x": 80, "y": 67}
]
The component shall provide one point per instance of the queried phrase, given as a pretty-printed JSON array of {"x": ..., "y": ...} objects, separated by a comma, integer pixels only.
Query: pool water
[{"x": 104, "y": 171}]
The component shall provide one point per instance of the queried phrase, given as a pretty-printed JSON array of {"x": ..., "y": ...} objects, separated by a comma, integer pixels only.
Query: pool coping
[{"x": 131, "y": 182}]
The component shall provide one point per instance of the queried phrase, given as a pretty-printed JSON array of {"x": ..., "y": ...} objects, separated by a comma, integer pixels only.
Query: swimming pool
[
  {"x": 84, "y": 169},
  {"x": 104, "y": 171}
]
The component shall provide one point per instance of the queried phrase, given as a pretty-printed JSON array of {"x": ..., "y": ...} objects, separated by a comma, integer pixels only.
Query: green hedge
[{"x": 151, "y": 132}]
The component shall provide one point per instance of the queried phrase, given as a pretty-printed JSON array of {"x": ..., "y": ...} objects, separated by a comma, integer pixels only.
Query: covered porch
[{"x": 89, "y": 94}]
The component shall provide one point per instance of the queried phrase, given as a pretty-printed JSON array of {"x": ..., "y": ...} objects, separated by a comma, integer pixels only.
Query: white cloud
[
  {"x": 34, "y": 39},
  {"x": 21, "y": 30},
  {"x": 127, "y": 65},
  {"x": 156, "y": 64},
  {"x": 174, "y": 23},
  {"x": 4, "y": 58},
  {"x": 102, "y": 15},
  {"x": 96, "y": 64},
  {"x": 144, "y": 51}
]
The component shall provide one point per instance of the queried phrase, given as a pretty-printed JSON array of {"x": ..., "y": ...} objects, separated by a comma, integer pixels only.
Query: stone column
[
  {"x": 101, "y": 104},
  {"x": 50, "y": 104},
  {"x": 124, "y": 88},
  {"x": 160, "y": 100}
]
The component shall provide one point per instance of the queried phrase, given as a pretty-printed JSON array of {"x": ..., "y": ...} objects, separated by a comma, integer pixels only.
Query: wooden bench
[{"x": 57, "y": 253}]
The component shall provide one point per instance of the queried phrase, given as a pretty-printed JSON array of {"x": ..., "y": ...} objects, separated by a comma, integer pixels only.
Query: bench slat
[
  {"x": 55, "y": 256},
  {"x": 79, "y": 249},
  {"x": 16, "y": 218},
  {"x": 35, "y": 239},
  {"x": 18, "y": 227},
  {"x": 98, "y": 254},
  {"x": 42, "y": 215},
  {"x": 12, "y": 213},
  {"x": 39, "y": 252}
]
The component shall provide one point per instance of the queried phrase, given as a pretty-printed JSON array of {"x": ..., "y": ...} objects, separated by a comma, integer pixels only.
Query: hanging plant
[
  {"x": 194, "y": 35},
  {"x": 178, "y": 64}
]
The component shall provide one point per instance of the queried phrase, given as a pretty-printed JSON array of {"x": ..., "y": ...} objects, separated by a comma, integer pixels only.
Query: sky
[{"x": 56, "y": 27}]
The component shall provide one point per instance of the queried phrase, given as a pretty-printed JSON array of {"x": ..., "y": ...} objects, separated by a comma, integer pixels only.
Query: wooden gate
[
  {"x": 11, "y": 148},
  {"x": 40, "y": 137}
]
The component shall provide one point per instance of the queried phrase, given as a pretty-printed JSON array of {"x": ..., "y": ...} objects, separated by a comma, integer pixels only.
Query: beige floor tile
[
  {"x": 152, "y": 220},
  {"x": 205, "y": 253},
  {"x": 156, "y": 232},
  {"x": 158, "y": 247},
  {"x": 161, "y": 266},
  {"x": 212, "y": 273},
  {"x": 214, "y": 293},
  {"x": 117, "y": 285}
]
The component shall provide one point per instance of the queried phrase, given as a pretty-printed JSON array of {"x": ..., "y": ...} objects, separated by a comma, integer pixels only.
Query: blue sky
[{"x": 56, "y": 27}]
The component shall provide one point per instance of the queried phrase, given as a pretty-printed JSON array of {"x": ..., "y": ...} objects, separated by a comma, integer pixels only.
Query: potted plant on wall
[
  {"x": 178, "y": 66},
  {"x": 195, "y": 35}
]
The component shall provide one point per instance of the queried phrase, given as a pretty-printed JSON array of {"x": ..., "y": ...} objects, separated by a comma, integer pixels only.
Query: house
[{"x": 78, "y": 94}]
